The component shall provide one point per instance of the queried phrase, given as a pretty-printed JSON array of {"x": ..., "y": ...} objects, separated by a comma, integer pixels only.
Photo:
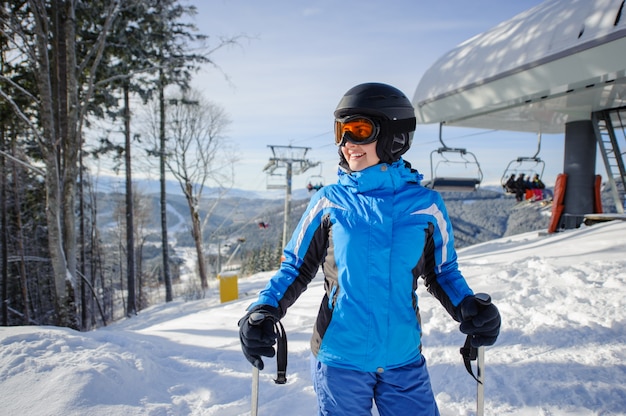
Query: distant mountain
[
  {"x": 108, "y": 184},
  {"x": 477, "y": 217}
]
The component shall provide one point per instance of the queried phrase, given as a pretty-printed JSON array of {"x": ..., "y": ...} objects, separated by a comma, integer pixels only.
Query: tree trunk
[
  {"x": 3, "y": 233},
  {"x": 84, "y": 300},
  {"x": 49, "y": 150},
  {"x": 196, "y": 233},
  {"x": 51, "y": 147},
  {"x": 72, "y": 142},
  {"x": 130, "y": 228},
  {"x": 166, "y": 260},
  {"x": 20, "y": 248}
]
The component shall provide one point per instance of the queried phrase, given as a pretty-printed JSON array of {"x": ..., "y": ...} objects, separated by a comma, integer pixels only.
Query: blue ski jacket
[{"x": 375, "y": 233}]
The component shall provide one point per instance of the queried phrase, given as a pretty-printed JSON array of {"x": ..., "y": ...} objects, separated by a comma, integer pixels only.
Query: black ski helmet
[{"x": 388, "y": 106}]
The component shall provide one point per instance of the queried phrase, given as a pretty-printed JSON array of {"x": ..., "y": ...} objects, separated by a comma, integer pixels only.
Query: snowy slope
[{"x": 562, "y": 350}]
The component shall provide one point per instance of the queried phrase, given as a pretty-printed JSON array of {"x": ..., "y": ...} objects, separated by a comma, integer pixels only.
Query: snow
[{"x": 562, "y": 349}]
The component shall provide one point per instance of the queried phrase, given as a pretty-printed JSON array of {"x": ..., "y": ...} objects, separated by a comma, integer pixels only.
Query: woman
[{"x": 375, "y": 233}]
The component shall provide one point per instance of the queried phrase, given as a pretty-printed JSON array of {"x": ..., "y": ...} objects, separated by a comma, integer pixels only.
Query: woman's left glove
[
  {"x": 257, "y": 334},
  {"x": 479, "y": 318}
]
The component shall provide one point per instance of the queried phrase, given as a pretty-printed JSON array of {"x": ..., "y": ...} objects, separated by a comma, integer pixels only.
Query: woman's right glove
[
  {"x": 257, "y": 334},
  {"x": 480, "y": 319}
]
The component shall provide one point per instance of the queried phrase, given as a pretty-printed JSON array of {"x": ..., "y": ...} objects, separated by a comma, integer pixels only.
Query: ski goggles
[{"x": 356, "y": 129}]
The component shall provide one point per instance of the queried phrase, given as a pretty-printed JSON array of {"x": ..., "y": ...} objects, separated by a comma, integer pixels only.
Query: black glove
[
  {"x": 480, "y": 319},
  {"x": 257, "y": 334}
]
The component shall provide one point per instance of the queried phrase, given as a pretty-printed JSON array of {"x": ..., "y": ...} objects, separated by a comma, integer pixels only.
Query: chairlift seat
[
  {"x": 453, "y": 184},
  {"x": 466, "y": 182}
]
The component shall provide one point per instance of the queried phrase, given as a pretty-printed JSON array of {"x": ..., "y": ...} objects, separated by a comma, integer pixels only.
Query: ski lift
[
  {"x": 275, "y": 181},
  {"x": 528, "y": 165},
  {"x": 465, "y": 173},
  {"x": 315, "y": 183}
]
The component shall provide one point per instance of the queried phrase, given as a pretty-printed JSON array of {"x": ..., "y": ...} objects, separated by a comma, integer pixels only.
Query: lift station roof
[{"x": 552, "y": 64}]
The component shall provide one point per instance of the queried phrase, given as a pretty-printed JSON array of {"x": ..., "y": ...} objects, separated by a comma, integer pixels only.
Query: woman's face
[{"x": 360, "y": 156}]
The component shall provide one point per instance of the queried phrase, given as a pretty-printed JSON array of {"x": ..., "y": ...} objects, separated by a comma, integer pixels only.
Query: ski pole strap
[
  {"x": 281, "y": 354},
  {"x": 469, "y": 354}
]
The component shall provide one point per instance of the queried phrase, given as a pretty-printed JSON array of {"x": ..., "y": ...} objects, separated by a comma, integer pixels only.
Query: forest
[{"x": 74, "y": 76}]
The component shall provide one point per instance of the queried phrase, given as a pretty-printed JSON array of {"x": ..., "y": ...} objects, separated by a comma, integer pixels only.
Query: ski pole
[
  {"x": 471, "y": 353},
  {"x": 255, "y": 319},
  {"x": 484, "y": 300},
  {"x": 255, "y": 391},
  {"x": 480, "y": 386}
]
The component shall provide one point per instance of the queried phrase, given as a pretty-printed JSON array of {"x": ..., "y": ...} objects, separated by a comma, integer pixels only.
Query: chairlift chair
[
  {"x": 463, "y": 182},
  {"x": 275, "y": 181},
  {"x": 315, "y": 183},
  {"x": 528, "y": 165}
]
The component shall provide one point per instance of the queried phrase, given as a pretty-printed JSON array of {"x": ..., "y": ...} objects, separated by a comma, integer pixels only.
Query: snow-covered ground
[{"x": 562, "y": 349}]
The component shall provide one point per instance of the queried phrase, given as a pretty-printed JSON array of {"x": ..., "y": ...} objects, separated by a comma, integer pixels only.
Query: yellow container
[{"x": 229, "y": 290}]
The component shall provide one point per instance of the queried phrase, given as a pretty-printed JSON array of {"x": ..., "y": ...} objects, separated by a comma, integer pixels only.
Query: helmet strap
[
  {"x": 389, "y": 148},
  {"x": 343, "y": 163}
]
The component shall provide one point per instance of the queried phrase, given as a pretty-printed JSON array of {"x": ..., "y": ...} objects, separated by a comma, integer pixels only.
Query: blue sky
[{"x": 295, "y": 60}]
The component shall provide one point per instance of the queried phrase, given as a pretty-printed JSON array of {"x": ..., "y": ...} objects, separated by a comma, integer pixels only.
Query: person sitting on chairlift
[
  {"x": 520, "y": 187},
  {"x": 509, "y": 186},
  {"x": 310, "y": 187},
  {"x": 537, "y": 186}
]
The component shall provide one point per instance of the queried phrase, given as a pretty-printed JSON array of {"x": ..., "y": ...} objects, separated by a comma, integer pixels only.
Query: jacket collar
[{"x": 383, "y": 176}]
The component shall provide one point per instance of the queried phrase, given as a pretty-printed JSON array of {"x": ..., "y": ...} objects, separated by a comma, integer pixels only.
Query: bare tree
[
  {"x": 199, "y": 155},
  {"x": 142, "y": 211}
]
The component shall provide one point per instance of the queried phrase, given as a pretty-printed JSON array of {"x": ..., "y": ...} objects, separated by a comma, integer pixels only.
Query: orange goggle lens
[{"x": 355, "y": 129}]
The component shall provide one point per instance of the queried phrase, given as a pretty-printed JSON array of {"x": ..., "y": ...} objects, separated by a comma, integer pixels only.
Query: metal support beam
[
  {"x": 579, "y": 165},
  {"x": 608, "y": 144},
  {"x": 293, "y": 160}
]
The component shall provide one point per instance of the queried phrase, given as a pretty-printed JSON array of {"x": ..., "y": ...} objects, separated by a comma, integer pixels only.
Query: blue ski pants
[{"x": 404, "y": 391}]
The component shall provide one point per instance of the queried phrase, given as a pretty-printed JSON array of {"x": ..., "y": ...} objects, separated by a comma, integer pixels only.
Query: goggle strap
[{"x": 401, "y": 126}]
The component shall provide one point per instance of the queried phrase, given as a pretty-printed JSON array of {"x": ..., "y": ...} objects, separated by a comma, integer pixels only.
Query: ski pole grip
[
  {"x": 256, "y": 318},
  {"x": 469, "y": 352},
  {"x": 482, "y": 299}
]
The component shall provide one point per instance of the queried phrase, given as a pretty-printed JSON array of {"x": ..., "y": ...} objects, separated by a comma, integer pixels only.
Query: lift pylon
[{"x": 293, "y": 160}]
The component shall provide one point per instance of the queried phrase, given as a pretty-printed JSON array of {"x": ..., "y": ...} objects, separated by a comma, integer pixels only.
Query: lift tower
[{"x": 293, "y": 160}]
